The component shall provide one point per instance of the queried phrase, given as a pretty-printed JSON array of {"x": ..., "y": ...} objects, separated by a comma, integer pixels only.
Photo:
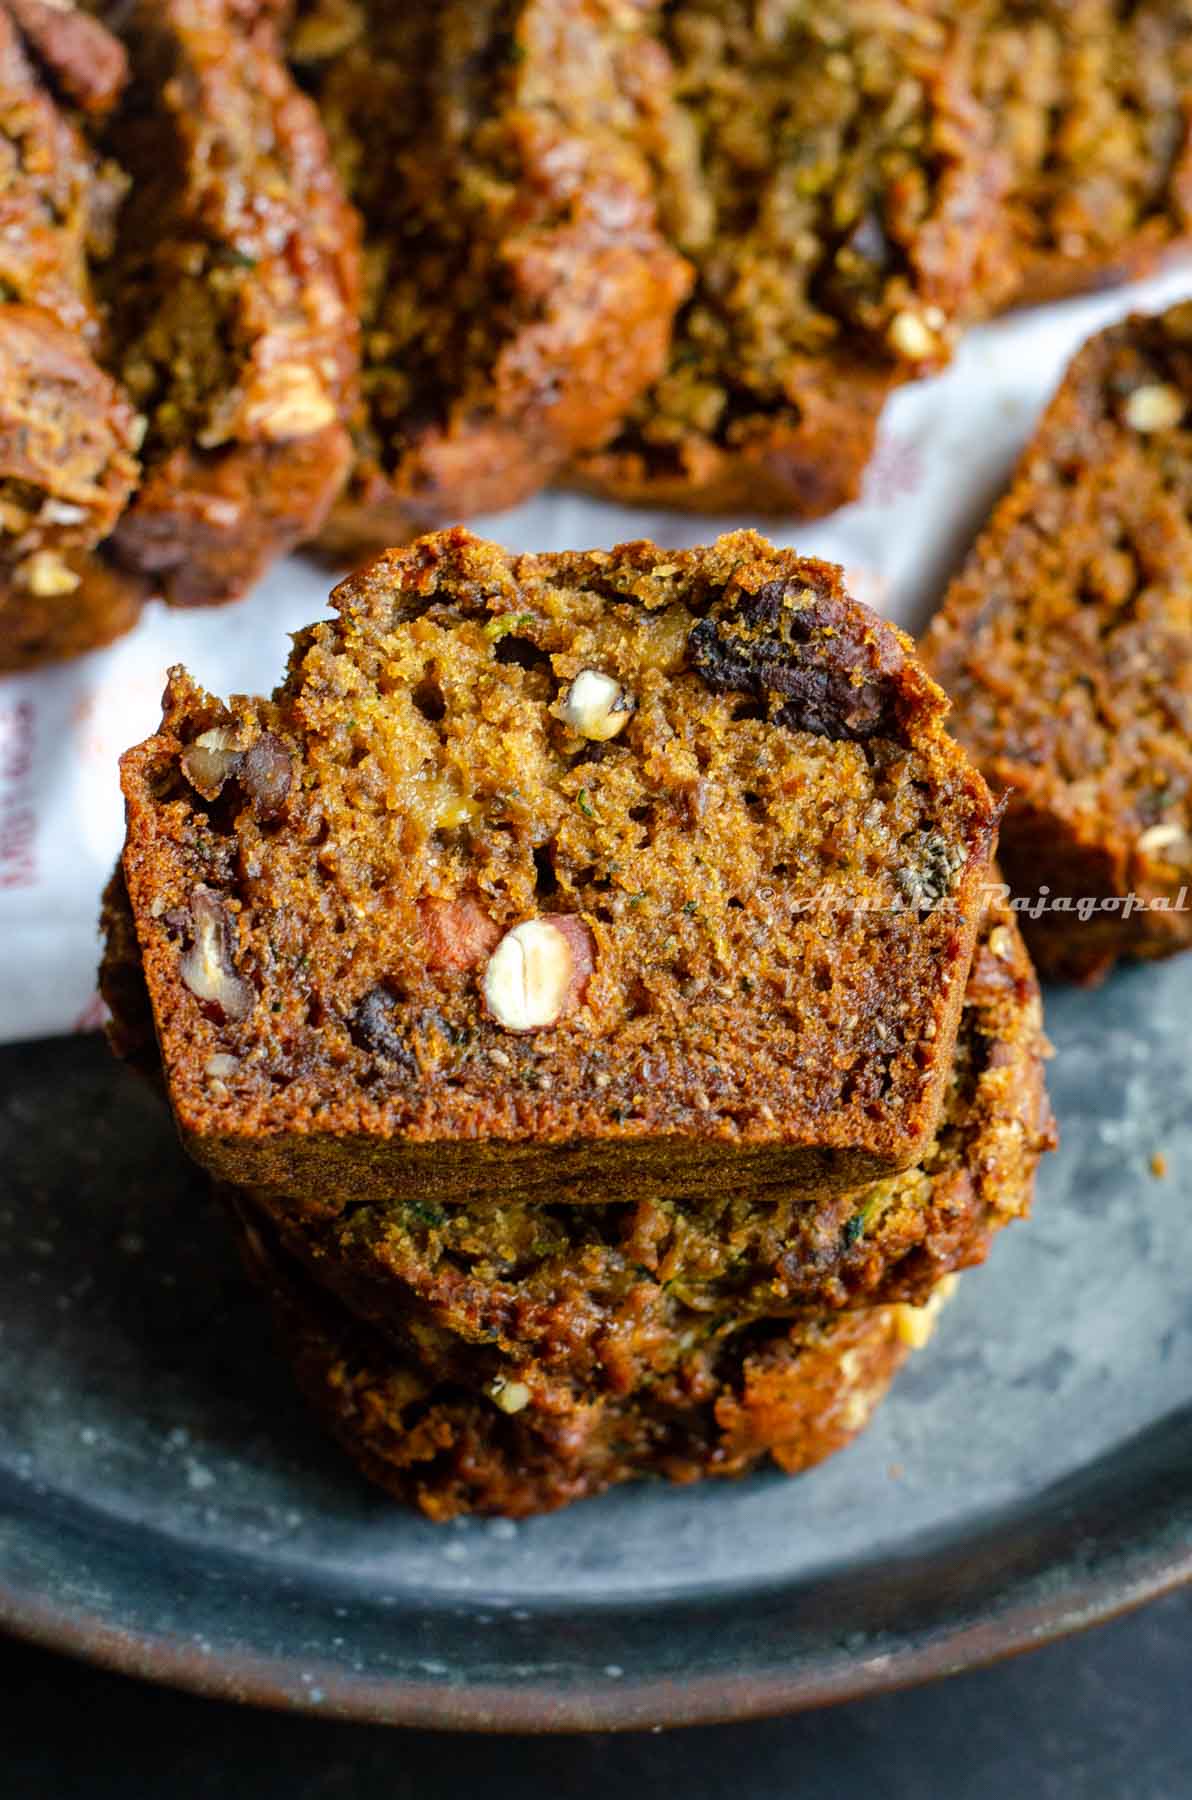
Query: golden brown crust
[
  {"x": 1066, "y": 645},
  {"x": 783, "y": 782},
  {"x": 59, "y": 197},
  {"x": 807, "y": 460},
  {"x": 227, "y": 309},
  {"x": 519, "y": 296},
  {"x": 233, "y": 294},
  {"x": 836, "y": 187}
]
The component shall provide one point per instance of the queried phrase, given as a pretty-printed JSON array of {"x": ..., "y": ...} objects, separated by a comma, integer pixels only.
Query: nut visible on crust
[
  {"x": 1156, "y": 407},
  {"x": 207, "y": 968},
  {"x": 916, "y": 1324},
  {"x": 326, "y": 33},
  {"x": 911, "y": 336},
  {"x": 1159, "y": 838},
  {"x": 595, "y": 706},
  {"x": 538, "y": 972},
  {"x": 88, "y": 63}
]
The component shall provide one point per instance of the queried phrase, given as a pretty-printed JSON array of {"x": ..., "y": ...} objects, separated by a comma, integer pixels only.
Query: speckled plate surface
[{"x": 166, "y": 1506}]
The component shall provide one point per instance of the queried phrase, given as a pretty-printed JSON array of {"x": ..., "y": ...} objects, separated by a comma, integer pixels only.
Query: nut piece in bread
[{"x": 538, "y": 972}]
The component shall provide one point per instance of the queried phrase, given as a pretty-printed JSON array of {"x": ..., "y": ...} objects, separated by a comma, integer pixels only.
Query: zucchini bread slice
[
  {"x": 518, "y": 293},
  {"x": 541, "y": 873},
  {"x": 68, "y": 433},
  {"x": 1093, "y": 100},
  {"x": 833, "y": 180},
  {"x": 233, "y": 298},
  {"x": 794, "y": 1393},
  {"x": 1065, "y": 643}
]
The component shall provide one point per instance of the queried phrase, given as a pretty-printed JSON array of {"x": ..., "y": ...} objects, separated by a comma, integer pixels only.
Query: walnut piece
[
  {"x": 210, "y": 761},
  {"x": 207, "y": 967},
  {"x": 539, "y": 972},
  {"x": 263, "y": 770}
]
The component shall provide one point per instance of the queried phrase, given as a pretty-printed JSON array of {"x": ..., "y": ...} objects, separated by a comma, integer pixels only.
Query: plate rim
[
  {"x": 1102, "y": 1539},
  {"x": 1130, "y": 1578}
]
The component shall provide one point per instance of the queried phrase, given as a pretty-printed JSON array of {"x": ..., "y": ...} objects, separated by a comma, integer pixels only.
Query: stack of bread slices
[{"x": 587, "y": 983}]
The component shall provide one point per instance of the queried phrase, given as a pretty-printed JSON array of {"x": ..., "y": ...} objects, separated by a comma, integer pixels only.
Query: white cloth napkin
[{"x": 945, "y": 451}]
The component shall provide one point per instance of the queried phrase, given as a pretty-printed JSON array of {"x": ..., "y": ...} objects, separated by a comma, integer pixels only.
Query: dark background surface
[{"x": 1103, "y": 1715}]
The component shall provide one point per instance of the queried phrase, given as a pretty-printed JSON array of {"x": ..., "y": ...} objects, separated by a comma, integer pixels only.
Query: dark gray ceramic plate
[{"x": 166, "y": 1507}]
